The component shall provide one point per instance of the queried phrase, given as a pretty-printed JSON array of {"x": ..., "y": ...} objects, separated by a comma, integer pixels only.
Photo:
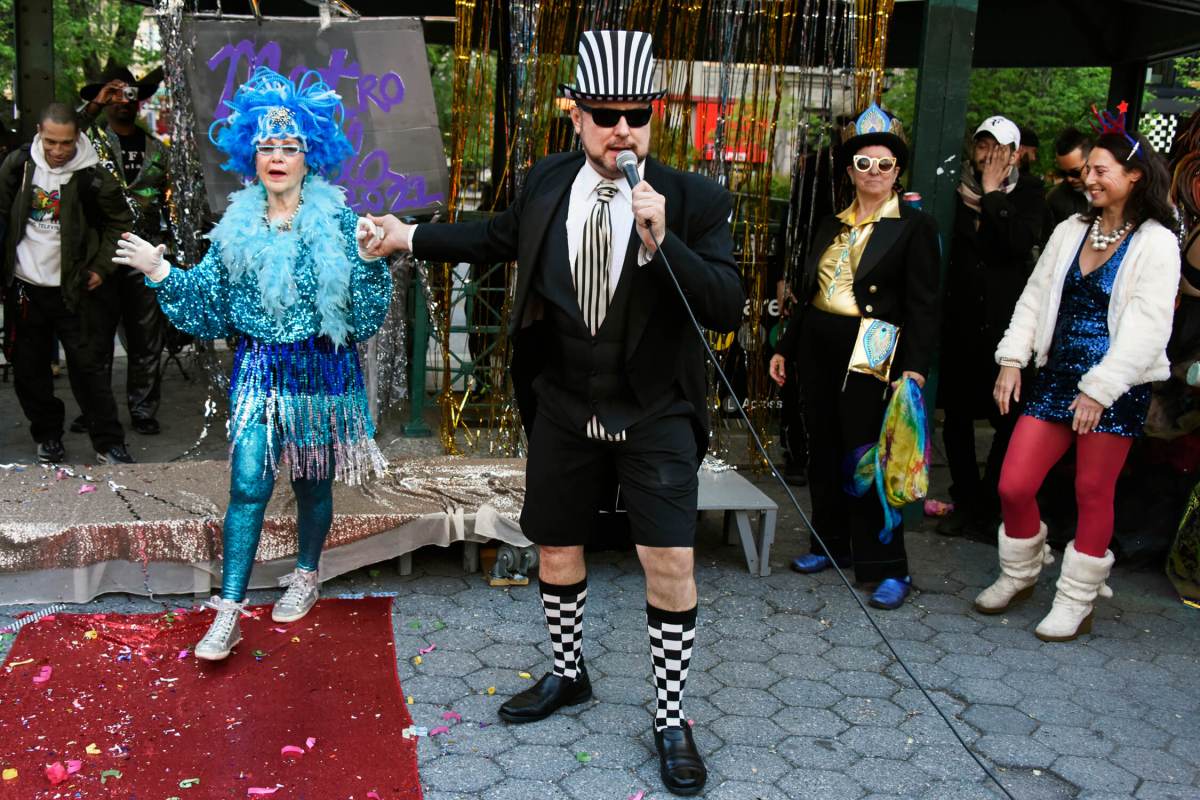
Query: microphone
[{"x": 627, "y": 162}]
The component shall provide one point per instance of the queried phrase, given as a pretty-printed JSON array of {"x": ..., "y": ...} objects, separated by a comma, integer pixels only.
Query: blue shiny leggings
[{"x": 250, "y": 487}]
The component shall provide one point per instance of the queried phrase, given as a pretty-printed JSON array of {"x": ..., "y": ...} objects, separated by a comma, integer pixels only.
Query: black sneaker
[
  {"x": 51, "y": 451},
  {"x": 147, "y": 426},
  {"x": 79, "y": 424},
  {"x": 117, "y": 454}
]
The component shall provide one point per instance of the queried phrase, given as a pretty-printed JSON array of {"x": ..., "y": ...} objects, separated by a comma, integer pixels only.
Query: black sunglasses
[
  {"x": 609, "y": 117},
  {"x": 1070, "y": 173}
]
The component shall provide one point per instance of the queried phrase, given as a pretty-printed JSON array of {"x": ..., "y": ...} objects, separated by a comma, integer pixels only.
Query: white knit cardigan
[{"x": 1140, "y": 309}]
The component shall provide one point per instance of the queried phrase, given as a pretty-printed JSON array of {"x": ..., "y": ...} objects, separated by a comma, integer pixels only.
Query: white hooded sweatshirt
[{"x": 39, "y": 253}]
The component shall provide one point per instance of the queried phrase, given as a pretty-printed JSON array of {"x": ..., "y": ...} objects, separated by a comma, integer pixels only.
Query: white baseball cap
[{"x": 1003, "y": 129}]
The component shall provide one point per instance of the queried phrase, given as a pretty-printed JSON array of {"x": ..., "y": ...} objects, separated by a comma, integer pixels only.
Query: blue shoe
[
  {"x": 891, "y": 592},
  {"x": 810, "y": 563}
]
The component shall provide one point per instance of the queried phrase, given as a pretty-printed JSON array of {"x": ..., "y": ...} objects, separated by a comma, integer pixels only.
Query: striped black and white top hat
[{"x": 614, "y": 65}]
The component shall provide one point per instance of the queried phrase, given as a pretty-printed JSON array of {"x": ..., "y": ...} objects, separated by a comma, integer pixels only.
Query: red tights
[{"x": 1037, "y": 446}]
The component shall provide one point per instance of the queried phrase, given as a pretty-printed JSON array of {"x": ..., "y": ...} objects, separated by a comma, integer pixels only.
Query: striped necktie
[{"x": 591, "y": 274}]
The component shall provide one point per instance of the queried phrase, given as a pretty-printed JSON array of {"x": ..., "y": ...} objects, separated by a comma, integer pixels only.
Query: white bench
[{"x": 731, "y": 493}]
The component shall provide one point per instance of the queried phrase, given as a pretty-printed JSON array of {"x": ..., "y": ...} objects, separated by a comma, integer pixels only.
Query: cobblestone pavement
[{"x": 792, "y": 694}]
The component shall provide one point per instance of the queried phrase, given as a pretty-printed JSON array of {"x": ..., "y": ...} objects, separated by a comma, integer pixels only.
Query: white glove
[
  {"x": 134, "y": 251},
  {"x": 368, "y": 235}
]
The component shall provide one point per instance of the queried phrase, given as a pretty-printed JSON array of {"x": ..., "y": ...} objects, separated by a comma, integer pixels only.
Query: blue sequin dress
[
  {"x": 1080, "y": 342},
  {"x": 298, "y": 300}
]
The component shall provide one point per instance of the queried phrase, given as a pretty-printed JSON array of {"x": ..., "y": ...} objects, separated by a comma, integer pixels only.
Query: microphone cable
[{"x": 627, "y": 170}]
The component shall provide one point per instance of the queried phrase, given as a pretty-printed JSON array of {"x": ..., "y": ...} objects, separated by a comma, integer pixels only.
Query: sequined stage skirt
[
  {"x": 1054, "y": 389},
  {"x": 312, "y": 397}
]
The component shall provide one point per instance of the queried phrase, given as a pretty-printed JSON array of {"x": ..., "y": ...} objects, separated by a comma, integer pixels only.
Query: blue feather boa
[{"x": 253, "y": 253}]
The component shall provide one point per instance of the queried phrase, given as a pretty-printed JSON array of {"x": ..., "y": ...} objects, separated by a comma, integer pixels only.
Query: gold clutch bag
[{"x": 874, "y": 348}]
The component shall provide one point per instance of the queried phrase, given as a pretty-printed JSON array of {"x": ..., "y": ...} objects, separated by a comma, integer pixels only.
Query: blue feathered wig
[{"x": 269, "y": 106}]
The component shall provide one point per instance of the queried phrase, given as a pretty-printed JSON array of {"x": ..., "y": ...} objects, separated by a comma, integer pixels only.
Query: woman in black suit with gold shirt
[{"x": 876, "y": 260}]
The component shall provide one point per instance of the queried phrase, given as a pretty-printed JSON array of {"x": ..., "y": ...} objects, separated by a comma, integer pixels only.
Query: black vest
[{"x": 584, "y": 375}]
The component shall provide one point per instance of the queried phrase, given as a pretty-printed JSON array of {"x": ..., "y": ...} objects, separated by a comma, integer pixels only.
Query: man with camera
[{"x": 137, "y": 161}]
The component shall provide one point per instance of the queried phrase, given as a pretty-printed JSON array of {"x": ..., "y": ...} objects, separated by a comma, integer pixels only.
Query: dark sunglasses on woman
[{"x": 609, "y": 117}]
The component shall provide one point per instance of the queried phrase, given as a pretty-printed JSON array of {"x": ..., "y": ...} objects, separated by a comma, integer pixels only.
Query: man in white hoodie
[{"x": 63, "y": 216}]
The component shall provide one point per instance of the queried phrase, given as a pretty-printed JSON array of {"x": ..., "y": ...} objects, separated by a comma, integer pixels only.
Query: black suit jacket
[
  {"x": 661, "y": 348},
  {"x": 896, "y": 280}
]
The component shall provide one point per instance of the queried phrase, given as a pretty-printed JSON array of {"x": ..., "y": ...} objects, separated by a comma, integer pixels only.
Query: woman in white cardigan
[{"x": 1095, "y": 316}]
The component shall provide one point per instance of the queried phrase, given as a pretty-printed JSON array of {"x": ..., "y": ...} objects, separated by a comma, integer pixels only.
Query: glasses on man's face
[
  {"x": 288, "y": 150},
  {"x": 864, "y": 163},
  {"x": 610, "y": 117},
  {"x": 1070, "y": 173}
]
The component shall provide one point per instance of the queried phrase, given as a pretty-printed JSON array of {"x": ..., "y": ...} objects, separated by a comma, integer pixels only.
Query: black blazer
[
  {"x": 896, "y": 280},
  {"x": 661, "y": 347}
]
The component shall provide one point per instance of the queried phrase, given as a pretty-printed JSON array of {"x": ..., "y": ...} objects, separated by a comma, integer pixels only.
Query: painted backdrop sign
[{"x": 379, "y": 68}]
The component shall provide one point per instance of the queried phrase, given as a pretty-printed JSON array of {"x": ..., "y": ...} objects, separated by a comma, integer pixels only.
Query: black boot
[
  {"x": 680, "y": 765},
  {"x": 546, "y": 696}
]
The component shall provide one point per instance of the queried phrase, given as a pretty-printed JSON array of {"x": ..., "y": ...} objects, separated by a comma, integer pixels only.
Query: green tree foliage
[
  {"x": 88, "y": 36},
  {"x": 1045, "y": 99}
]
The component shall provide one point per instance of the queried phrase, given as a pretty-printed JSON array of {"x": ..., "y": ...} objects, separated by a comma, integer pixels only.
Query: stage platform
[{"x": 71, "y": 534}]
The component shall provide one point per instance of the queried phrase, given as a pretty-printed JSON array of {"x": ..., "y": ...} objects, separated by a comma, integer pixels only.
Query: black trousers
[
  {"x": 125, "y": 298},
  {"x": 792, "y": 434},
  {"x": 842, "y": 413},
  {"x": 39, "y": 315},
  {"x": 969, "y": 490}
]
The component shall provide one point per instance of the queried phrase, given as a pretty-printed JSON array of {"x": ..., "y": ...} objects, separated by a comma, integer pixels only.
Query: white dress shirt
[{"x": 620, "y": 209}]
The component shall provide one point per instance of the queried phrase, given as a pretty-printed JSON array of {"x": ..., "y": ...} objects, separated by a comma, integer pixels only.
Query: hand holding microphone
[{"x": 649, "y": 207}]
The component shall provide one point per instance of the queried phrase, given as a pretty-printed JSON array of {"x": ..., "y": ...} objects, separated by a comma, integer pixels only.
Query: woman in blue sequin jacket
[{"x": 286, "y": 274}]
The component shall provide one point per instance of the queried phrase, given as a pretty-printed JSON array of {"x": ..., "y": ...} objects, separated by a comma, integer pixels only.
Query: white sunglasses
[{"x": 864, "y": 163}]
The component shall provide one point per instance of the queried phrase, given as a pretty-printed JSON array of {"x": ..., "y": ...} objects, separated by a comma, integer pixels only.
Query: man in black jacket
[
  {"x": 137, "y": 161},
  {"x": 998, "y": 222},
  {"x": 1071, "y": 150},
  {"x": 63, "y": 220},
  {"x": 608, "y": 369}
]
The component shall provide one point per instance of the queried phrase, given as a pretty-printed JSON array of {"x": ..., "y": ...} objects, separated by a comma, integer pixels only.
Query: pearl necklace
[
  {"x": 285, "y": 224},
  {"x": 1102, "y": 241}
]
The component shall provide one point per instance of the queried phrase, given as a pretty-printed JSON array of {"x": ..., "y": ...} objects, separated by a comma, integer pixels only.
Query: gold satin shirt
[{"x": 839, "y": 262}]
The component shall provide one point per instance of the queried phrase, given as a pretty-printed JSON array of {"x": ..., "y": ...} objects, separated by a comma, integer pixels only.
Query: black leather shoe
[
  {"x": 79, "y": 424},
  {"x": 679, "y": 762},
  {"x": 546, "y": 696},
  {"x": 147, "y": 426},
  {"x": 51, "y": 451}
]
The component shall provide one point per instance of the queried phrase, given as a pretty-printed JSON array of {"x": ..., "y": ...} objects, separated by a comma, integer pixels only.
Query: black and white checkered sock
[
  {"x": 671, "y": 636},
  {"x": 564, "y": 618}
]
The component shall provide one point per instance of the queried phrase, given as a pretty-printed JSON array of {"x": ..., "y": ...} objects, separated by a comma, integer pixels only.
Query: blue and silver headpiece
[
  {"x": 269, "y": 106},
  {"x": 873, "y": 120}
]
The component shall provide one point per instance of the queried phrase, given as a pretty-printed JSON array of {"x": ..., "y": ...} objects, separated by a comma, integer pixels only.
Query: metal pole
[
  {"x": 34, "y": 38},
  {"x": 416, "y": 367}
]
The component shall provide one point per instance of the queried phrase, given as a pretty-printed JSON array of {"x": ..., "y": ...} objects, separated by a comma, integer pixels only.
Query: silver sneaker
[
  {"x": 225, "y": 632},
  {"x": 302, "y": 593}
]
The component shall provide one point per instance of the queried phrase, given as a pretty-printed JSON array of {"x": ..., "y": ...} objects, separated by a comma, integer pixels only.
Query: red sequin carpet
[{"x": 113, "y": 706}]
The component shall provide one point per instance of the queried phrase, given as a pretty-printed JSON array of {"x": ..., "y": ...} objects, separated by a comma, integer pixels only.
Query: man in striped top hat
[{"x": 608, "y": 370}]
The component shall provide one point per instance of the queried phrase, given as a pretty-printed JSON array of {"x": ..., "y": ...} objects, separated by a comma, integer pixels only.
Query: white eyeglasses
[
  {"x": 864, "y": 163},
  {"x": 289, "y": 150}
]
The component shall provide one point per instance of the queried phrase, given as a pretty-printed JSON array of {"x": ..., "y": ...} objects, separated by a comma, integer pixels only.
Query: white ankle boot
[
  {"x": 1082, "y": 579},
  {"x": 1021, "y": 561}
]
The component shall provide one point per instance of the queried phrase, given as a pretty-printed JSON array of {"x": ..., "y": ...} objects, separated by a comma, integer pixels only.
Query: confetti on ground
[
  {"x": 452, "y": 715},
  {"x": 188, "y": 783},
  {"x": 439, "y": 730},
  {"x": 583, "y": 758},
  {"x": 373, "y": 796},
  {"x": 87, "y": 488},
  {"x": 291, "y": 748},
  {"x": 43, "y": 675},
  {"x": 183, "y": 654},
  {"x": 259, "y": 791},
  {"x": 74, "y": 766},
  {"x": 92, "y": 750},
  {"x": 56, "y": 773},
  {"x": 417, "y": 660},
  {"x": 9, "y": 774},
  {"x": 310, "y": 742},
  {"x": 427, "y": 650},
  {"x": 21, "y": 663},
  {"x": 525, "y": 675},
  {"x": 437, "y": 626},
  {"x": 415, "y": 624},
  {"x": 937, "y": 508},
  {"x": 90, "y": 634},
  {"x": 115, "y": 773},
  {"x": 410, "y": 699},
  {"x": 640, "y": 794},
  {"x": 491, "y": 690}
]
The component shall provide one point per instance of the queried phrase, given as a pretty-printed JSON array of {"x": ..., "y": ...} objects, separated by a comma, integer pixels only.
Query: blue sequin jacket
[{"x": 299, "y": 299}]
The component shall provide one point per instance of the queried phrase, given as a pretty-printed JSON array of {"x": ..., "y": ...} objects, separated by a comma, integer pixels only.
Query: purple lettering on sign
[{"x": 371, "y": 184}]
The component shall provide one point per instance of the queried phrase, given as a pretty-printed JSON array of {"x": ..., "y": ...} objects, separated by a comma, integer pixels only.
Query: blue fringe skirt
[{"x": 310, "y": 395}]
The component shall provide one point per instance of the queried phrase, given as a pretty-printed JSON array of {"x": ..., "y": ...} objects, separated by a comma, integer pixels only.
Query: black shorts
[{"x": 568, "y": 479}]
